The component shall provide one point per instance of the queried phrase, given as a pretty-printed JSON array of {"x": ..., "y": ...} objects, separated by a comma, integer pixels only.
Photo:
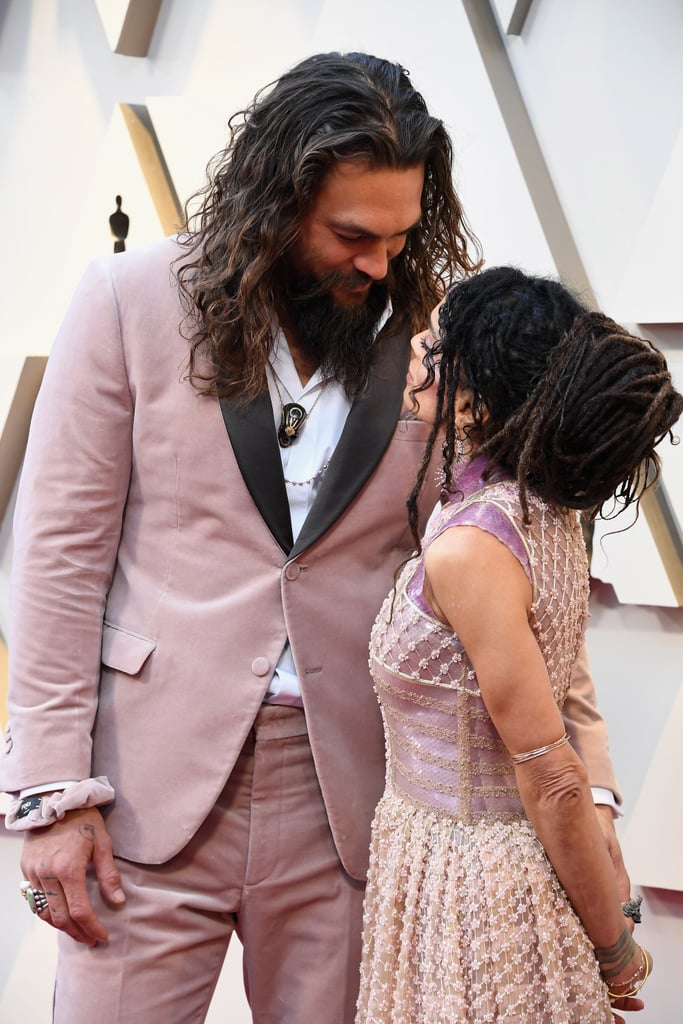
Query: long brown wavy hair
[
  {"x": 568, "y": 400},
  {"x": 331, "y": 107}
]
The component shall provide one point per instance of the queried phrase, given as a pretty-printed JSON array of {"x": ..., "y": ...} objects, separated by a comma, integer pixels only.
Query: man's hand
[
  {"x": 55, "y": 860},
  {"x": 606, "y": 819}
]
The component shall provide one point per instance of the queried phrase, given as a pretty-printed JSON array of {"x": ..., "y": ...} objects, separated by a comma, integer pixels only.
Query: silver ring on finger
[
  {"x": 36, "y": 898},
  {"x": 631, "y": 908}
]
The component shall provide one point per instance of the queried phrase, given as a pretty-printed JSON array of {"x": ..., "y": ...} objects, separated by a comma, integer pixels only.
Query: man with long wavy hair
[{"x": 212, "y": 506}]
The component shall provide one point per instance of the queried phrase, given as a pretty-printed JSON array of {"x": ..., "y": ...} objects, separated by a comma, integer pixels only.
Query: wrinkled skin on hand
[{"x": 56, "y": 859}]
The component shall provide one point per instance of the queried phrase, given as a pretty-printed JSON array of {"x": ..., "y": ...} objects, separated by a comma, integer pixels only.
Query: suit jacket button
[
  {"x": 292, "y": 571},
  {"x": 260, "y": 666}
]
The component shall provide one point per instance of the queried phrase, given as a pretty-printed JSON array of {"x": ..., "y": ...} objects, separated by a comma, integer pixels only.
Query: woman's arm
[{"x": 477, "y": 586}]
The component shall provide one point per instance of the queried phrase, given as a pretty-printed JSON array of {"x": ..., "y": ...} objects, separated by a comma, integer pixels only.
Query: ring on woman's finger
[{"x": 36, "y": 898}]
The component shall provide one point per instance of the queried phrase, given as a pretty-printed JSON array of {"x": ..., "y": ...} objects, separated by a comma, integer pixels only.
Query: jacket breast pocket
[{"x": 124, "y": 651}]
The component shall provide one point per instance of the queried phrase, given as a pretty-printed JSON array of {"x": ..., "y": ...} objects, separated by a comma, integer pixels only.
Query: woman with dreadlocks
[{"x": 491, "y": 895}]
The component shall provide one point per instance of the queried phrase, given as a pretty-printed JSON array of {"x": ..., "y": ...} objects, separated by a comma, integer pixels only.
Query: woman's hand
[{"x": 624, "y": 985}]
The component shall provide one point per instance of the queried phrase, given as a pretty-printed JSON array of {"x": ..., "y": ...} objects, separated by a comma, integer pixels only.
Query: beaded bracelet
[
  {"x": 636, "y": 988},
  {"x": 634, "y": 977}
]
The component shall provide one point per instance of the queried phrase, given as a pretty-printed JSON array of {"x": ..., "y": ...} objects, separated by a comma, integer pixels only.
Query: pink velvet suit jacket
[{"x": 155, "y": 580}]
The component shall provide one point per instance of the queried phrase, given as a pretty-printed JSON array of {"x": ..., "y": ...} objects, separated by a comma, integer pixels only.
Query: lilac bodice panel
[{"x": 443, "y": 751}]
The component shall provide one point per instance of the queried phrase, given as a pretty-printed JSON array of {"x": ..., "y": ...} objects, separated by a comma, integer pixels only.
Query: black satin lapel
[
  {"x": 366, "y": 435},
  {"x": 252, "y": 434}
]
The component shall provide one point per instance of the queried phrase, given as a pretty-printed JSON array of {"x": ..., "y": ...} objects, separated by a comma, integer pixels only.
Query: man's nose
[{"x": 373, "y": 261}]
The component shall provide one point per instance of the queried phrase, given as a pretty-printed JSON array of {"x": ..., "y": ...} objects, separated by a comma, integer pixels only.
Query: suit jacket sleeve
[
  {"x": 586, "y": 727},
  {"x": 67, "y": 529}
]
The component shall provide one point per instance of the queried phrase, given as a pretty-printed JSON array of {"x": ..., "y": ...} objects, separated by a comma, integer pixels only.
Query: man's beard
[{"x": 338, "y": 338}]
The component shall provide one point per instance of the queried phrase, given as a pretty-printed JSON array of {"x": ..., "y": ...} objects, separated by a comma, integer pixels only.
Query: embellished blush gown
[{"x": 465, "y": 920}]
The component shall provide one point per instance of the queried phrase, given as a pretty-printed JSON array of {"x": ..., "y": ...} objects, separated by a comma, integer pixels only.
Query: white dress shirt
[{"x": 303, "y": 464}]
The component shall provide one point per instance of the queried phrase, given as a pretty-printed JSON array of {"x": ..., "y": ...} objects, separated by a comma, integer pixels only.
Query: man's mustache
[{"x": 311, "y": 289}]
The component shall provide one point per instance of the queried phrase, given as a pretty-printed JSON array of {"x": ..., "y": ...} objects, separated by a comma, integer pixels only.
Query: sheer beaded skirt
[{"x": 465, "y": 920}]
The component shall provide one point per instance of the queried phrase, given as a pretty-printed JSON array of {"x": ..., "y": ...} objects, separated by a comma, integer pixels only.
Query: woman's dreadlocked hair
[{"x": 566, "y": 399}]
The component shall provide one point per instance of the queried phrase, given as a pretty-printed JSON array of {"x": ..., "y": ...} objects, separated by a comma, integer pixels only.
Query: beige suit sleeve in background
[{"x": 587, "y": 728}]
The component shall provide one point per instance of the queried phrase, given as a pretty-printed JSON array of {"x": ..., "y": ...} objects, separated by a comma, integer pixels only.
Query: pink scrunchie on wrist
[{"x": 52, "y": 808}]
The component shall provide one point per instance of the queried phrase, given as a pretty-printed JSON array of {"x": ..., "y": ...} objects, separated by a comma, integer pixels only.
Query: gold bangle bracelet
[
  {"x": 636, "y": 988},
  {"x": 529, "y": 755},
  {"x": 638, "y": 975}
]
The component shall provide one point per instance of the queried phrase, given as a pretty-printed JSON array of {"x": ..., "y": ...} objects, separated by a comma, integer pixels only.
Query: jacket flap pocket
[{"x": 124, "y": 651}]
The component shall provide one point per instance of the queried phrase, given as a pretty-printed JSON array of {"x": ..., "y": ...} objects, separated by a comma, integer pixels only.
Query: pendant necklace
[{"x": 293, "y": 415}]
